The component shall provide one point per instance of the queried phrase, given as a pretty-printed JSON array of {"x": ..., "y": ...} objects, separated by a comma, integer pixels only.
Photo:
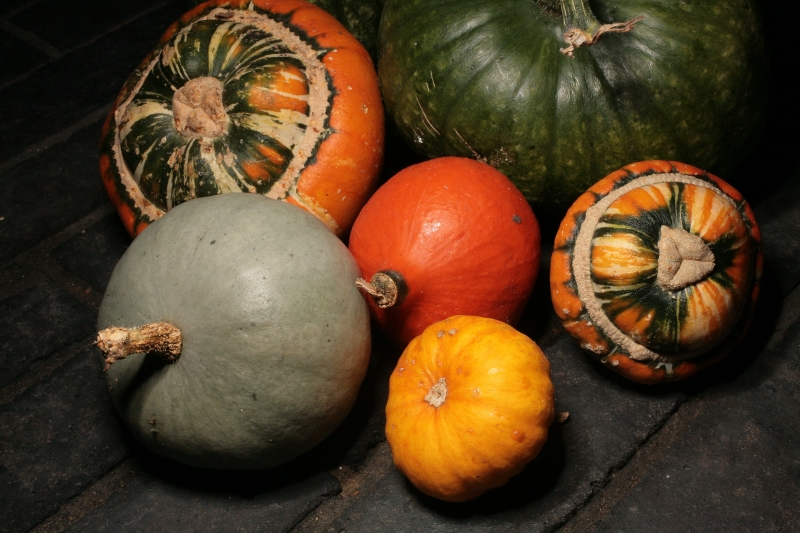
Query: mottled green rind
[
  {"x": 360, "y": 17},
  {"x": 276, "y": 335},
  {"x": 485, "y": 78}
]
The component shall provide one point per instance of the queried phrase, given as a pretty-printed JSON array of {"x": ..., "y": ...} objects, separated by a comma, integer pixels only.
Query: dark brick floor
[{"x": 719, "y": 452}]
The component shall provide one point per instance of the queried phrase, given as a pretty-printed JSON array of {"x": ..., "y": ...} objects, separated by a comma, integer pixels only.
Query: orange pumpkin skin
[
  {"x": 645, "y": 332},
  {"x": 495, "y": 415},
  {"x": 461, "y": 236},
  {"x": 330, "y": 173}
]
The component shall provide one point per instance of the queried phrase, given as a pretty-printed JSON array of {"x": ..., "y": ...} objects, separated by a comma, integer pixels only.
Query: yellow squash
[{"x": 470, "y": 404}]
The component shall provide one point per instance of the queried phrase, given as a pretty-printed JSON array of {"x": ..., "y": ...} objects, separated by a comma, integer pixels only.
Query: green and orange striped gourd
[
  {"x": 656, "y": 270},
  {"x": 269, "y": 97}
]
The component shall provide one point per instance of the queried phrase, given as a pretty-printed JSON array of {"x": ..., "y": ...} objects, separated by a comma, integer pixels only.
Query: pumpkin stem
[
  {"x": 581, "y": 27},
  {"x": 387, "y": 288},
  {"x": 437, "y": 393},
  {"x": 683, "y": 259},
  {"x": 198, "y": 110},
  {"x": 161, "y": 338}
]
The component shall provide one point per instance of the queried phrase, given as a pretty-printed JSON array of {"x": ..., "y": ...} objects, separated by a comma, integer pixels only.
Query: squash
[
  {"x": 470, "y": 404},
  {"x": 269, "y": 97},
  {"x": 444, "y": 237},
  {"x": 360, "y": 17},
  {"x": 234, "y": 334},
  {"x": 656, "y": 270},
  {"x": 488, "y": 79}
]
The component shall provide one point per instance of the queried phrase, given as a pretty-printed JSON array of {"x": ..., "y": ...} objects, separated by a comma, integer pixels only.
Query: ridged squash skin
[
  {"x": 486, "y": 79},
  {"x": 489, "y": 417},
  {"x": 621, "y": 248},
  {"x": 276, "y": 337},
  {"x": 269, "y": 97}
]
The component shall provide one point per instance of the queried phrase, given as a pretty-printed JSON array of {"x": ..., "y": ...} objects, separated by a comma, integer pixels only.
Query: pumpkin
[
  {"x": 268, "y": 97},
  {"x": 444, "y": 237},
  {"x": 488, "y": 79},
  {"x": 360, "y": 17},
  {"x": 656, "y": 270},
  {"x": 235, "y": 336},
  {"x": 470, "y": 404}
]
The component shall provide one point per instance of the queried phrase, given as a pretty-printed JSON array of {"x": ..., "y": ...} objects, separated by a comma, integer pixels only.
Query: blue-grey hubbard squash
[{"x": 259, "y": 338}]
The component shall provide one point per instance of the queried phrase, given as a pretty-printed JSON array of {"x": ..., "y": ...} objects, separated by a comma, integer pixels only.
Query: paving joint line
[
  {"x": 58, "y": 138},
  {"x": 91, "y": 40},
  {"x": 22, "y": 6},
  {"x": 47, "y": 245},
  {"x": 622, "y": 481},
  {"x": 38, "y": 259},
  {"x": 355, "y": 484},
  {"x": 31, "y": 39},
  {"x": 43, "y": 368},
  {"x": 90, "y": 498}
]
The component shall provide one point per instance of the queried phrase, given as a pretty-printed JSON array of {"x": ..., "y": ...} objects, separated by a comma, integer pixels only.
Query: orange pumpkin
[
  {"x": 656, "y": 270},
  {"x": 470, "y": 404},
  {"x": 446, "y": 237},
  {"x": 268, "y": 97}
]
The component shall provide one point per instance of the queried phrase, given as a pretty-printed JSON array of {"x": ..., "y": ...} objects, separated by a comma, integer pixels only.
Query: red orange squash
[
  {"x": 656, "y": 270},
  {"x": 269, "y": 97},
  {"x": 445, "y": 237}
]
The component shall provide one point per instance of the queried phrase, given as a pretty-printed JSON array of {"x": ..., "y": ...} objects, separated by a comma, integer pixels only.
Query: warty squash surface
[
  {"x": 656, "y": 270},
  {"x": 269, "y": 97}
]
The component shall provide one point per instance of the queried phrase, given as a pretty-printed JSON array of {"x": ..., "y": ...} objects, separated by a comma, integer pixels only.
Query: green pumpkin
[
  {"x": 488, "y": 79},
  {"x": 275, "y": 335}
]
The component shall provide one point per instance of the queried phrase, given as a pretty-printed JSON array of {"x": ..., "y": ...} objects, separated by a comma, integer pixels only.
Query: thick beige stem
[
  {"x": 683, "y": 259},
  {"x": 198, "y": 110},
  {"x": 161, "y": 338},
  {"x": 437, "y": 393}
]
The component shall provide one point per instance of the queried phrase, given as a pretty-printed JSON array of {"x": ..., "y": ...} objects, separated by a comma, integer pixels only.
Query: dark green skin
[
  {"x": 360, "y": 17},
  {"x": 688, "y": 83}
]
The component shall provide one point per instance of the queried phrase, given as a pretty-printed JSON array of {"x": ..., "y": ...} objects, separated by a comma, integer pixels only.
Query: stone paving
[{"x": 719, "y": 452}]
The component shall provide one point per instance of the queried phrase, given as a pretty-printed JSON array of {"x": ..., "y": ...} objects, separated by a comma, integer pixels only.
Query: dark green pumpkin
[{"x": 487, "y": 79}]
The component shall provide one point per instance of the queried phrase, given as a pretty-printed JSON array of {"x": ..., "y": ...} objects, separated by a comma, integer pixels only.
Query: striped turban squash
[
  {"x": 268, "y": 97},
  {"x": 656, "y": 270}
]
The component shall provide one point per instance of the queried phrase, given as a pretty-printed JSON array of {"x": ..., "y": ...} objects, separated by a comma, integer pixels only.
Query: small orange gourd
[
  {"x": 656, "y": 270},
  {"x": 470, "y": 404}
]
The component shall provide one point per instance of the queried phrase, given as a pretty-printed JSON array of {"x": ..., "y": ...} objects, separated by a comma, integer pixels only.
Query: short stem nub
[
  {"x": 161, "y": 338},
  {"x": 197, "y": 108},
  {"x": 387, "y": 288},
  {"x": 437, "y": 393},
  {"x": 683, "y": 259}
]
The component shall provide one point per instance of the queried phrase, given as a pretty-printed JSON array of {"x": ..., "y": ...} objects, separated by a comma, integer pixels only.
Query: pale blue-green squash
[{"x": 275, "y": 335}]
